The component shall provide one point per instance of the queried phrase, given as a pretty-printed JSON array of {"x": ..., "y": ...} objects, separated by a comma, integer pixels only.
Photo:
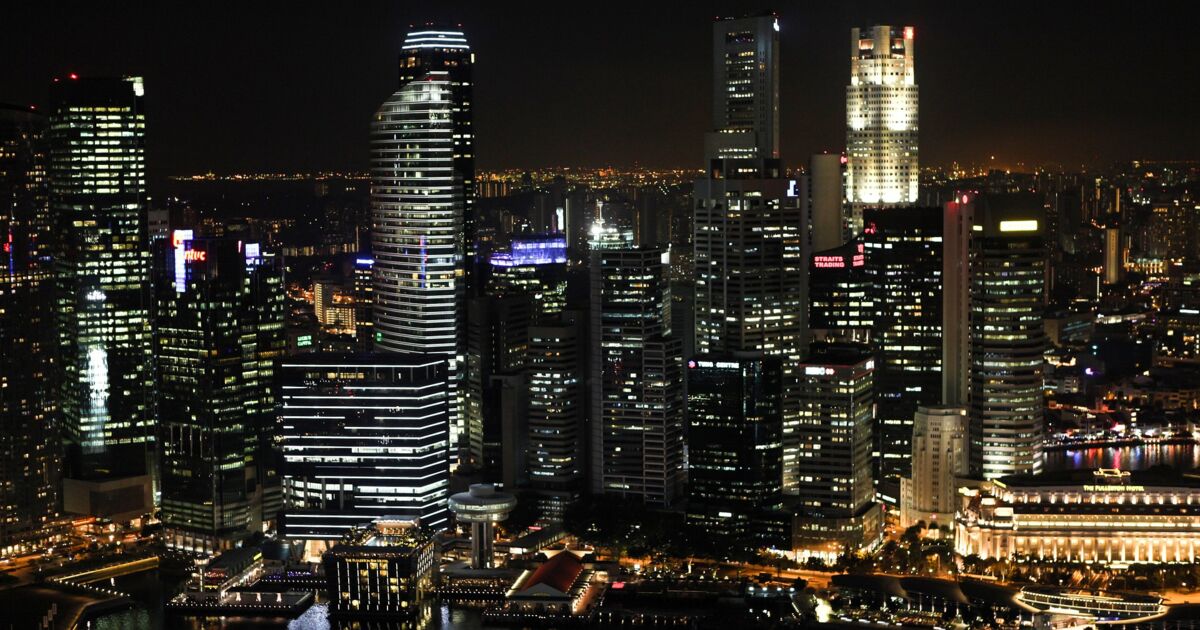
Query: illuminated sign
[
  {"x": 1026, "y": 225},
  {"x": 192, "y": 255},
  {"x": 179, "y": 241},
  {"x": 304, "y": 341},
  {"x": 1091, "y": 488}
]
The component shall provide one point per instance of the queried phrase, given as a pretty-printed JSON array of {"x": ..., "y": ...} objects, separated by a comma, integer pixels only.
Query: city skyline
[{"x": 1033, "y": 104}]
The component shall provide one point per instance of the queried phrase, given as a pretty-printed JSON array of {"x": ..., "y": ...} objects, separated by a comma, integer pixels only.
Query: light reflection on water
[
  {"x": 1179, "y": 456},
  {"x": 148, "y": 590}
]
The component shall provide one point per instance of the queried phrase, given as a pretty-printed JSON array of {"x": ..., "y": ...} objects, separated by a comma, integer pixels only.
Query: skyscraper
[
  {"x": 219, "y": 334},
  {"x": 556, "y": 381},
  {"x": 637, "y": 413},
  {"x": 748, "y": 229},
  {"x": 1007, "y": 337},
  {"x": 842, "y": 300},
  {"x": 417, "y": 236},
  {"x": 904, "y": 260},
  {"x": 29, "y": 454},
  {"x": 735, "y": 454},
  {"x": 364, "y": 439},
  {"x": 444, "y": 49},
  {"x": 97, "y": 171},
  {"x": 824, "y": 196},
  {"x": 835, "y": 495},
  {"x": 745, "y": 97},
  {"x": 881, "y": 119},
  {"x": 939, "y": 456}
]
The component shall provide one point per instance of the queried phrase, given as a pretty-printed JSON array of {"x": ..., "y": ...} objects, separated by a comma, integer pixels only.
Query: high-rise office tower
[
  {"x": 748, "y": 229},
  {"x": 1007, "y": 337},
  {"x": 637, "y": 406},
  {"x": 364, "y": 302},
  {"x": 556, "y": 381},
  {"x": 29, "y": 455},
  {"x": 834, "y": 503},
  {"x": 535, "y": 266},
  {"x": 97, "y": 172},
  {"x": 939, "y": 456},
  {"x": 881, "y": 119},
  {"x": 824, "y": 195},
  {"x": 904, "y": 260},
  {"x": 735, "y": 453},
  {"x": 497, "y": 338},
  {"x": 364, "y": 439},
  {"x": 745, "y": 97},
  {"x": 842, "y": 301},
  {"x": 957, "y": 219},
  {"x": 417, "y": 236},
  {"x": 218, "y": 336},
  {"x": 444, "y": 49}
]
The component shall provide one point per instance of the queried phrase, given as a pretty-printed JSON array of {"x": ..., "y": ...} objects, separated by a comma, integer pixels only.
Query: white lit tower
[
  {"x": 881, "y": 119},
  {"x": 418, "y": 203}
]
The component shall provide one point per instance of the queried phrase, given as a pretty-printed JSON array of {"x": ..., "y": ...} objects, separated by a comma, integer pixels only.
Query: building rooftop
[
  {"x": 1158, "y": 476},
  {"x": 559, "y": 573}
]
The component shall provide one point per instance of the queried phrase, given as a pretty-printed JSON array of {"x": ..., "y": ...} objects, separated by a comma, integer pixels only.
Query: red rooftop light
[{"x": 74, "y": 77}]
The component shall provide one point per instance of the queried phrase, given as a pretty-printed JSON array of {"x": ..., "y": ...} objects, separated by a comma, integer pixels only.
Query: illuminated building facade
[
  {"x": 735, "y": 455},
  {"x": 444, "y": 50},
  {"x": 364, "y": 438},
  {"x": 556, "y": 381},
  {"x": 904, "y": 260},
  {"x": 881, "y": 118},
  {"x": 637, "y": 407},
  {"x": 364, "y": 302},
  {"x": 748, "y": 238},
  {"x": 835, "y": 495},
  {"x": 219, "y": 333},
  {"x": 97, "y": 174},
  {"x": 939, "y": 457},
  {"x": 534, "y": 266},
  {"x": 383, "y": 569},
  {"x": 417, "y": 235},
  {"x": 841, "y": 294},
  {"x": 1111, "y": 517},
  {"x": 1006, "y": 336},
  {"x": 29, "y": 457}
]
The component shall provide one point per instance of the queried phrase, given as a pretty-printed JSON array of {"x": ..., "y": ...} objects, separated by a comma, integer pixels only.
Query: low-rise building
[
  {"x": 1113, "y": 517},
  {"x": 385, "y": 570}
]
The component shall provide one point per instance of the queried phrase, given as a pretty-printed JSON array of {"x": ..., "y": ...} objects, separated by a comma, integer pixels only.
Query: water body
[
  {"x": 151, "y": 588},
  {"x": 1179, "y": 456}
]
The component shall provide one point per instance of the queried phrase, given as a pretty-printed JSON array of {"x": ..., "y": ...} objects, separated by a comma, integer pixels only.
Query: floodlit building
[
  {"x": 1111, "y": 517},
  {"x": 939, "y": 457},
  {"x": 382, "y": 569},
  {"x": 881, "y": 118}
]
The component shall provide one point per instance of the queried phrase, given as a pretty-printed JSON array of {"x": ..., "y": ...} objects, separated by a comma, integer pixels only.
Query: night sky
[{"x": 283, "y": 86}]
